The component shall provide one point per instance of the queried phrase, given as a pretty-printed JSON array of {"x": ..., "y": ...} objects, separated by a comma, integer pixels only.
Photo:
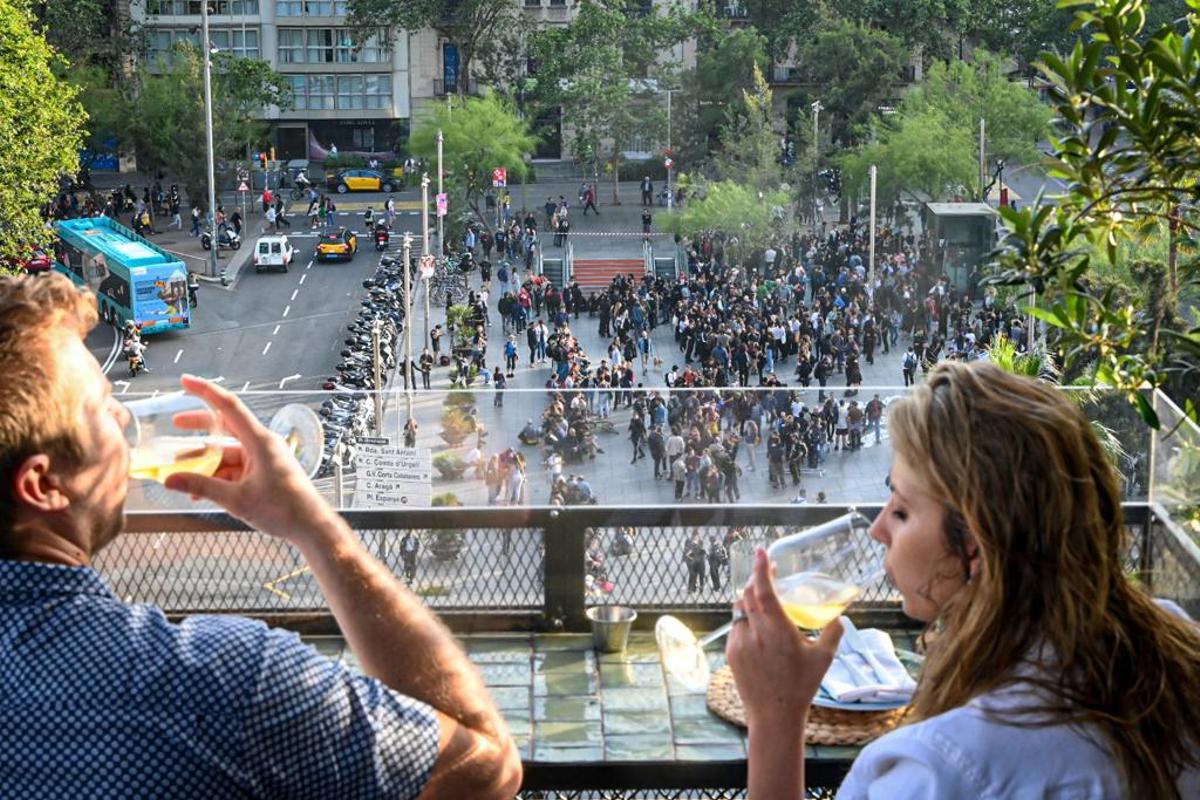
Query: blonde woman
[{"x": 1053, "y": 675}]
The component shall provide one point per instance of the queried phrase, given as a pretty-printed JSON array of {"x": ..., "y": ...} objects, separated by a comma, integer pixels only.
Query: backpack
[
  {"x": 910, "y": 360},
  {"x": 502, "y": 274}
]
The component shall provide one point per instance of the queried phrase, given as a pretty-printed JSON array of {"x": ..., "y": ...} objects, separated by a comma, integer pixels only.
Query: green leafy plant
[{"x": 449, "y": 465}]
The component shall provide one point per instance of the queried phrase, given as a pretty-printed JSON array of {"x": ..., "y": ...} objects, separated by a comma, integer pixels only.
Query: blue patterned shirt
[{"x": 102, "y": 699}]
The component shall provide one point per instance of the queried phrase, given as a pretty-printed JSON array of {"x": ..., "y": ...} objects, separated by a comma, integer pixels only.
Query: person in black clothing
[
  {"x": 694, "y": 557},
  {"x": 658, "y": 452},
  {"x": 718, "y": 557},
  {"x": 637, "y": 435}
]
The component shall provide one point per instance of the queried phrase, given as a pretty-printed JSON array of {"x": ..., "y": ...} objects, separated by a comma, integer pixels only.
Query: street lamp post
[
  {"x": 409, "y": 373},
  {"x": 425, "y": 243},
  {"x": 208, "y": 137},
  {"x": 816, "y": 117},
  {"x": 441, "y": 241}
]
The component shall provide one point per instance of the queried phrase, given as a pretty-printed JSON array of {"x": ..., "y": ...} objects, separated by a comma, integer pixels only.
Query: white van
[{"x": 273, "y": 252}]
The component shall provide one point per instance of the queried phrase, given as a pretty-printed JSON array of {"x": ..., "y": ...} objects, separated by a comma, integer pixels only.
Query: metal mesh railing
[{"x": 523, "y": 561}]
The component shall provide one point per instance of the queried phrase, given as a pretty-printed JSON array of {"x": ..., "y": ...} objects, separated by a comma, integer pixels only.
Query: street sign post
[
  {"x": 500, "y": 177},
  {"x": 393, "y": 477}
]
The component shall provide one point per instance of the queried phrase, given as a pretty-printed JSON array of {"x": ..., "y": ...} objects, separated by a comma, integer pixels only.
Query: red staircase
[{"x": 597, "y": 273}]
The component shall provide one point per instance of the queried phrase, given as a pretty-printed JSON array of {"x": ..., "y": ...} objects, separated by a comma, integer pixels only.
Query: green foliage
[
  {"x": 605, "y": 71},
  {"x": 479, "y": 134},
  {"x": 41, "y": 128},
  {"x": 474, "y": 25},
  {"x": 754, "y": 217},
  {"x": 1139, "y": 90},
  {"x": 725, "y": 66},
  {"x": 852, "y": 69},
  {"x": 91, "y": 32},
  {"x": 164, "y": 123},
  {"x": 750, "y": 140},
  {"x": 929, "y": 149}
]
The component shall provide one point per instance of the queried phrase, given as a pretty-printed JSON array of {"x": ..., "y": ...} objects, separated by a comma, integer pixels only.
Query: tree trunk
[{"x": 616, "y": 165}]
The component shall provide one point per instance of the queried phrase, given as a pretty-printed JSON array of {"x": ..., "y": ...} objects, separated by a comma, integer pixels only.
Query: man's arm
[{"x": 395, "y": 638}]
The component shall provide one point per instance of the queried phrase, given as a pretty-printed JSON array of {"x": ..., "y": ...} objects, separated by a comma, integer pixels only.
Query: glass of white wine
[
  {"x": 818, "y": 573},
  {"x": 159, "y": 447}
]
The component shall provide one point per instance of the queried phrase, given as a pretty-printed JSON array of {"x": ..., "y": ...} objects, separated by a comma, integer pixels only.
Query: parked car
[
  {"x": 360, "y": 180},
  {"x": 273, "y": 252},
  {"x": 340, "y": 244}
]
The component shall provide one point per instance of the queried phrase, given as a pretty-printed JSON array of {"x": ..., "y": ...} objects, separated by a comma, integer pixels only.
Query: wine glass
[
  {"x": 818, "y": 573},
  {"x": 159, "y": 447}
]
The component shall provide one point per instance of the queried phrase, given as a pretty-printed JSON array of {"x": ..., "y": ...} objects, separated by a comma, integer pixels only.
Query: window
[
  {"x": 350, "y": 91},
  {"x": 162, "y": 41},
  {"x": 289, "y": 8},
  {"x": 372, "y": 52},
  {"x": 291, "y": 45},
  {"x": 243, "y": 44},
  {"x": 379, "y": 91},
  {"x": 299, "y": 91},
  {"x": 320, "y": 46},
  {"x": 310, "y": 8},
  {"x": 320, "y": 92}
]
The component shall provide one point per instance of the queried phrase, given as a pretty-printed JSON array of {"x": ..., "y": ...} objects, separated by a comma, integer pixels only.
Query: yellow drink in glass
[
  {"x": 165, "y": 455},
  {"x": 813, "y": 600}
]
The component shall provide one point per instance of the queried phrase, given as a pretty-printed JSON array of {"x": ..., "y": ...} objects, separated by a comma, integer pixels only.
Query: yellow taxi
[
  {"x": 361, "y": 180},
  {"x": 340, "y": 244}
]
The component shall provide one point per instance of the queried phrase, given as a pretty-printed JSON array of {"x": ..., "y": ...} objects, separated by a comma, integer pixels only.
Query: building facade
[{"x": 356, "y": 98}]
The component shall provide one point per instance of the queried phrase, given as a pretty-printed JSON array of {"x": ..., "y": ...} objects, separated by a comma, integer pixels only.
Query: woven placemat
[{"x": 825, "y": 725}]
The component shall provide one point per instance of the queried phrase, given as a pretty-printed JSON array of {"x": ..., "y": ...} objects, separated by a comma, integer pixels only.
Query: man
[
  {"x": 875, "y": 416},
  {"x": 211, "y": 706},
  {"x": 909, "y": 366},
  {"x": 694, "y": 558},
  {"x": 647, "y": 191}
]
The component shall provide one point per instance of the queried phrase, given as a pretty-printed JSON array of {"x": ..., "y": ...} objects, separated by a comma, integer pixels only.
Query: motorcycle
[
  {"x": 382, "y": 237},
  {"x": 227, "y": 237},
  {"x": 193, "y": 289},
  {"x": 136, "y": 366}
]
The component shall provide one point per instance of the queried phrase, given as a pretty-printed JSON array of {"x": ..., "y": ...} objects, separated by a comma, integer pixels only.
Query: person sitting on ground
[
  {"x": 1053, "y": 673},
  {"x": 212, "y": 706}
]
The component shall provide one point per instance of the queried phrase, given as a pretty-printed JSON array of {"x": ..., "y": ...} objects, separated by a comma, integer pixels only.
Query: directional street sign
[{"x": 393, "y": 477}]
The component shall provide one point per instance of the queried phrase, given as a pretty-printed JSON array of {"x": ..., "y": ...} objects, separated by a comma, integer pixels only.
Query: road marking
[
  {"x": 286, "y": 310},
  {"x": 123, "y": 384},
  {"x": 294, "y": 293},
  {"x": 246, "y": 386},
  {"x": 275, "y": 331},
  {"x": 283, "y": 382},
  {"x": 112, "y": 355},
  {"x": 265, "y": 349},
  {"x": 302, "y": 277},
  {"x": 177, "y": 356},
  {"x": 270, "y": 585},
  {"x": 309, "y": 265},
  {"x": 218, "y": 379}
]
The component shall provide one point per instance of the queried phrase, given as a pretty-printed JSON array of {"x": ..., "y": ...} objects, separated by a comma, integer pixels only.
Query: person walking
[
  {"x": 195, "y": 220},
  {"x": 718, "y": 557},
  {"x": 589, "y": 200},
  {"x": 694, "y": 558},
  {"x": 410, "y": 546},
  {"x": 647, "y": 191},
  {"x": 637, "y": 435},
  {"x": 909, "y": 366},
  {"x": 281, "y": 214},
  {"x": 510, "y": 355}
]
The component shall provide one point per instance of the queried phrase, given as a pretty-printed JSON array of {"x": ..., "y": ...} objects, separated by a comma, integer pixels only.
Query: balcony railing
[{"x": 441, "y": 88}]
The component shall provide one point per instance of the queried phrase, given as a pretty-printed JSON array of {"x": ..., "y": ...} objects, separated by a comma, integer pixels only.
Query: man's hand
[
  {"x": 777, "y": 669},
  {"x": 260, "y": 481}
]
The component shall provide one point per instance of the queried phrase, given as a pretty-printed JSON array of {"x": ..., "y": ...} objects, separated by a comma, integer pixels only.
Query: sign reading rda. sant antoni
[{"x": 389, "y": 476}]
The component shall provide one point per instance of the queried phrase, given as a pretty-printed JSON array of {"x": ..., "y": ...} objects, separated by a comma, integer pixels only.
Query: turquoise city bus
[{"x": 132, "y": 279}]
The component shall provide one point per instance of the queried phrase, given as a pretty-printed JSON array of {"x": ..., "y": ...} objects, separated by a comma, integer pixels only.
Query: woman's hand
[
  {"x": 260, "y": 481},
  {"x": 777, "y": 669}
]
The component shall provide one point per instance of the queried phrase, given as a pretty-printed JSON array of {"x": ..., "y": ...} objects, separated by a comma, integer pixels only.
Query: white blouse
[{"x": 965, "y": 753}]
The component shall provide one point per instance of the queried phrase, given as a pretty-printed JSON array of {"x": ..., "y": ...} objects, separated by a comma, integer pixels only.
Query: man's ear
[{"x": 36, "y": 487}]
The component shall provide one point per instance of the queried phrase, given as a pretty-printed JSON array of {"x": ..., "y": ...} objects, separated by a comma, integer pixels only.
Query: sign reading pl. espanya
[{"x": 389, "y": 476}]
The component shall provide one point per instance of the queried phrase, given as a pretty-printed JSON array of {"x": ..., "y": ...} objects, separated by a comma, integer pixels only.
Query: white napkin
[{"x": 851, "y": 679}]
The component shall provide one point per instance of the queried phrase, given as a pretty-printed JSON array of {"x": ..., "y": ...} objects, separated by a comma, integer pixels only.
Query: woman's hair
[{"x": 1018, "y": 468}]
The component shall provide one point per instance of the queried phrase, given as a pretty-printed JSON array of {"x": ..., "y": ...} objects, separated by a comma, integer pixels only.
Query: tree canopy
[
  {"x": 474, "y": 26},
  {"x": 41, "y": 128},
  {"x": 1127, "y": 149},
  {"x": 929, "y": 148},
  {"x": 163, "y": 121},
  {"x": 479, "y": 134}
]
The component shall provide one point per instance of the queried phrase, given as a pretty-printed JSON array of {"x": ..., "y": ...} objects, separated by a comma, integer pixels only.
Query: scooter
[
  {"x": 136, "y": 366},
  {"x": 227, "y": 237},
  {"x": 382, "y": 237}
]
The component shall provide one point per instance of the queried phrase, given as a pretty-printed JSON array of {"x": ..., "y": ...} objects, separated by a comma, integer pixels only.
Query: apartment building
[
  {"x": 351, "y": 97},
  {"x": 360, "y": 99}
]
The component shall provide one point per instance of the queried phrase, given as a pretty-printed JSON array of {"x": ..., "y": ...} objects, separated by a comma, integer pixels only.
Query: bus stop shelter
[{"x": 963, "y": 235}]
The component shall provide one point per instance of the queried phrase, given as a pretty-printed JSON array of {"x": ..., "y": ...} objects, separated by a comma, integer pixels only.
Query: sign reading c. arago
[{"x": 393, "y": 477}]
